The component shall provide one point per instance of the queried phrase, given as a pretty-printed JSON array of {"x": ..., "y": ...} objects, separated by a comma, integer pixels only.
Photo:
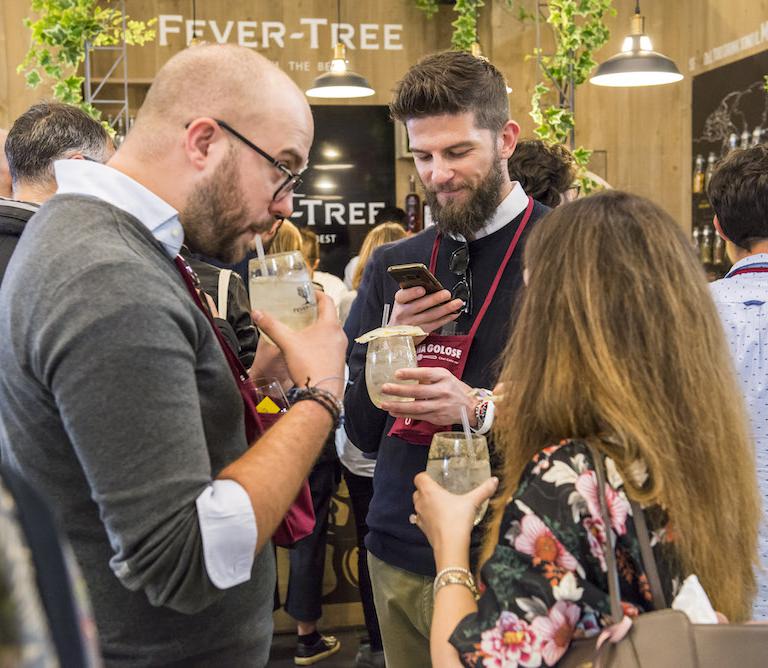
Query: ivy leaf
[{"x": 33, "y": 78}]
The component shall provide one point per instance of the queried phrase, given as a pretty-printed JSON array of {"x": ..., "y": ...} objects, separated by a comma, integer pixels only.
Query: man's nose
[
  {"x": 283, "y": 207},
  {"x": 442, "y": 172}
]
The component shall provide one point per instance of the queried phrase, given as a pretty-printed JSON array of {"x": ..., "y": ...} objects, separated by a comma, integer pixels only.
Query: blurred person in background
[
  {"x": 303, "y": 601},
  {"x": 547, "y": 172},
  {"x": 43, "y": 134},
  {"x": 286, "y": 240},
  {"x": 357, "y": 468},
  {"x": 332, "y": 285},
  {"x": 6, "y": 189},
  {"x": 389, "y": 214}
]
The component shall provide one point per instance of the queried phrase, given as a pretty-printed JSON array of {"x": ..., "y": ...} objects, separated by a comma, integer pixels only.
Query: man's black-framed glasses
[
  {"x": 292, "y": 180},
  {"x": 459, "y": 265}
]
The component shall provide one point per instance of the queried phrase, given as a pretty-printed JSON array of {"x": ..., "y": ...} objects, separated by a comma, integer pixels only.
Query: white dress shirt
[
  {"x": 742, "y": 301},
  {"x": 227, "y": 523}
]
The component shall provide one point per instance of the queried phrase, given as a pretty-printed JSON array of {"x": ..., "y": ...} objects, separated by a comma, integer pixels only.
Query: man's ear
[
  {"x": 200, "y": 135},
  {"x": 719, "y": 229},
  {"x": 508, "y": 139}
]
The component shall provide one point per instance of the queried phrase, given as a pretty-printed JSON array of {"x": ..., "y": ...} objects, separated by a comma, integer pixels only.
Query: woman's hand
[{"x": 447, "y": 519}]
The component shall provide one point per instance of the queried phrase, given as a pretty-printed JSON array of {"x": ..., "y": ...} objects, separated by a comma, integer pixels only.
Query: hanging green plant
[
  {"x": 579, "y": 31},
  {"x": 60, "y": 31},
  {"x": 465, "y": 25},
  {"x": 429, "y": 7}
]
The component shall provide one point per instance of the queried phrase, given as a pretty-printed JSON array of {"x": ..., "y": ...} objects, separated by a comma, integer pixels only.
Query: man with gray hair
[
  {"x": 46, "y": 132},
  {"x": 118, "y": 399},
  {"x": 5, "y": 176}
]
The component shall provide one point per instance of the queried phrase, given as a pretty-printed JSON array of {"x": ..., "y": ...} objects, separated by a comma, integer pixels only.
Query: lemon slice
[
  {"x": 266, "y": 405},
  {"x": 395, "y": 330}
]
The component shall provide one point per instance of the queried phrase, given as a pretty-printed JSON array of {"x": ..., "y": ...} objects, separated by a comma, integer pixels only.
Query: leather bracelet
[
  {"x": 455, "y": 575},
  {"x": 323, "y": 397}
]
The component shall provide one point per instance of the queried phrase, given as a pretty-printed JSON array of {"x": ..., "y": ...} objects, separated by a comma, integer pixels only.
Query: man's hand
[
  {"x": 316, "y": 352},
  {"x": 413, "y": 306},
  {"x": 439, "y": 397}
]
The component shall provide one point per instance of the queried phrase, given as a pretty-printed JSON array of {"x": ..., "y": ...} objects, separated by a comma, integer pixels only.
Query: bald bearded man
[{"x": 116, "y": 399}]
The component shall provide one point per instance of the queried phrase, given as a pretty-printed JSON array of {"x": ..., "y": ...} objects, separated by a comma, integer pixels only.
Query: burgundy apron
[
  {"x": 451, "y": 352},
  {"x": 299, "y": 521}
]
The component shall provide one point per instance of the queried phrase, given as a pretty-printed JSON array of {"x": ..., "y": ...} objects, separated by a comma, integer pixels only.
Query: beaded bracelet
[
  {"x": 323, "y": 397},
  {"x": 455, "y": 575}
]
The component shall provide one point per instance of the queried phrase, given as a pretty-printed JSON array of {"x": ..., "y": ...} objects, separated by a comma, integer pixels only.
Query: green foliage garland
[
  {"x": 465, "y": 25},
  {"x": 59, "y": 35},
  {"x": 579, "y": 32}
]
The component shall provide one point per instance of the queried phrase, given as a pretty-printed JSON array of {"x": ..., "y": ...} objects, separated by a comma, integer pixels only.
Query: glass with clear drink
[
  {"x": 450, "y": 465},
  {"x": 280, "y": 285},
  {"x": 385, "y": 356}
]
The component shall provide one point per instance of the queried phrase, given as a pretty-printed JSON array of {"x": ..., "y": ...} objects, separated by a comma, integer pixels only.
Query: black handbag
[{"x": 664, "y": 638}]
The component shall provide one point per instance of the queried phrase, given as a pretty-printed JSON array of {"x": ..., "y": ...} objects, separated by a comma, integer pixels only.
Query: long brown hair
[
  {"x": 617, "y": 335},
  {"x": 379, "y": 235}
]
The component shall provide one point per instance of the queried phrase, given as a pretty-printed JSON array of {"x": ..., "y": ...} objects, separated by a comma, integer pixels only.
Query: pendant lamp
[
  {"x": 340, "y": 82},
  {"x": 637, "y": 64}
]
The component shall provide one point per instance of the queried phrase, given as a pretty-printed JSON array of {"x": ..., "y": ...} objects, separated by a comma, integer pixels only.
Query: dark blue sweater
[{"x": 392, "y": 538}]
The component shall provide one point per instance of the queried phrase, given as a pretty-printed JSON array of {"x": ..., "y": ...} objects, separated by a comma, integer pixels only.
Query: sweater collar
[{"x": 84, "y": 177}]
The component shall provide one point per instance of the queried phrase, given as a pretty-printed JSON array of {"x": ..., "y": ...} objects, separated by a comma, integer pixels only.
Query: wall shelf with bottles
[{"x": 729, "y": 112}]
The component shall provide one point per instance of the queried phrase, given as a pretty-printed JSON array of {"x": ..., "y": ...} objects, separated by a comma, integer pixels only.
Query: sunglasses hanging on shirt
[{"x": 459, "y": 265}]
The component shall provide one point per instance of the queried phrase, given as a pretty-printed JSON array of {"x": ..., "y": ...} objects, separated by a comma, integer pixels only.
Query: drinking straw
[
  {"x": 385, "y": 316},
  {"x": 262, "y": 256},
  {"x": 468, "y": 435}
]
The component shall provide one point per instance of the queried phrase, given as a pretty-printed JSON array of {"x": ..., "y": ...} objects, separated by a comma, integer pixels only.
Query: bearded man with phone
[{"x": 455, "y": 109}]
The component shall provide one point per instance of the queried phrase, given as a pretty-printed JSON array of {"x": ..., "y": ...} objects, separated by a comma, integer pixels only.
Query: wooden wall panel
[{"x": 645, "y": 132}]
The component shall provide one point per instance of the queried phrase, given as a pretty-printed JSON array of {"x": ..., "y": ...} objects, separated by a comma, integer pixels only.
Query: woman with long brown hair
[{"x": 617, "y": 346}]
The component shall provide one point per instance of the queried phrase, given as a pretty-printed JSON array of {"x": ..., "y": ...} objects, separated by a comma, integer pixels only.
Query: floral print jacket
[{"x": 546, "y": 580}]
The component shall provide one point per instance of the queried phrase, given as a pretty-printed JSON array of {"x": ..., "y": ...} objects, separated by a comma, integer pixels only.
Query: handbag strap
[
  {"x": 649, "y": 561},
  {"x": 221, "y": 302},
  {"x": 612, "y": 572}
]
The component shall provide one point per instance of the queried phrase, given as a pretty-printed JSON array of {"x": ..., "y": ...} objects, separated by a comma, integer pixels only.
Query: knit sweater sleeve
[{"x": 122, "y": 361}]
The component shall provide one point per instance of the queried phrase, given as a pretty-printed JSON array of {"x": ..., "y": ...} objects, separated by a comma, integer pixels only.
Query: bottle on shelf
[
  {"x": 413, "y": 207},
  {"x": 711, "y": 161},
  {"x": 718, "y": 251},
  {"x": 757, "y": 136},
  {"x": 733, "y": 141},
  {"x": 696, "y": 237},
  {"x": 745, "y": 137},
  {"x": 698, "y": 175},
  {"x": 705, "y": 247}
]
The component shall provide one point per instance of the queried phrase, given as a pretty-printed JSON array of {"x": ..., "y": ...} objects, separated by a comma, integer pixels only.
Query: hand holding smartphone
[{"x": 415, "y": 275}]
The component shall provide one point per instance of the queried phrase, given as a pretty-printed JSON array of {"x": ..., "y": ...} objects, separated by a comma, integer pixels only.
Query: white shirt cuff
[{"x": 228, "y": 529}]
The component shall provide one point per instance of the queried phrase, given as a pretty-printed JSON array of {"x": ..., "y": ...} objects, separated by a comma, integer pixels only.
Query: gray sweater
[{"x": 117, "y": 403}]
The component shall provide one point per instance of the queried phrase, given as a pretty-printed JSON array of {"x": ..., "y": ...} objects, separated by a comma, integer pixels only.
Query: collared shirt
[
  {"x": 742, "y": 301},
  {"x": 510, "y": 208},
  {"x": 227, "y": 523}
]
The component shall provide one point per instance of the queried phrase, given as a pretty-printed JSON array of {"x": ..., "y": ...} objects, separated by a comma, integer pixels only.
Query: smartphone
[{"x": 413, "y": 275}]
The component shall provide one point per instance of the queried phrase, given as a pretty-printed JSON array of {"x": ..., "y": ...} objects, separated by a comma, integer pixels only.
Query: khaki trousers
[{"x": 404, "y": 607}]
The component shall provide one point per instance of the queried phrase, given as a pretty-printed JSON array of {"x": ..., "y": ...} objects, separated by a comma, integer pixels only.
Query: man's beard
[
  {"x": 215, "y": 216},
  {"x": 467, "y": 218}
]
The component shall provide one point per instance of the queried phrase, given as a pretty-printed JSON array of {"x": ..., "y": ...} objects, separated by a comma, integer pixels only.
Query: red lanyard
[{"x": 499, "y": 273}]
